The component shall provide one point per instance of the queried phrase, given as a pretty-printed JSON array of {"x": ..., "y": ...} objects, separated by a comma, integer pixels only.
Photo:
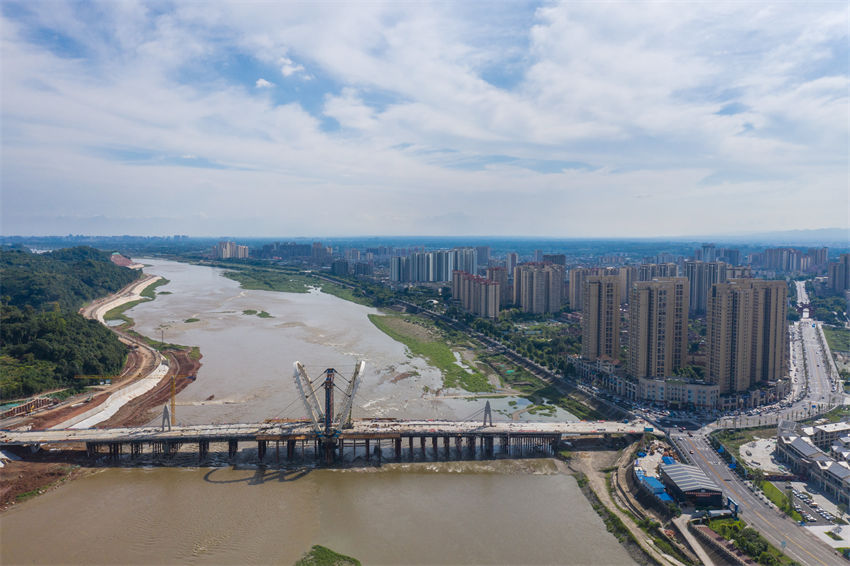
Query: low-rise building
[
  {"x": 806, "y": 460},
  {"x": 690, "y": 484}
]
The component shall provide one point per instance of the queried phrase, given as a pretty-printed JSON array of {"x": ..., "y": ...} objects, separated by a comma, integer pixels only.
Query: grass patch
[
  {"x": 249, "y": 312},
  {"x": 192, "y": 320},
  {"x": 149, "y": 292},
  {"x": 429, "y": 343},
  {"x": 780, "y": 499},
  {"x": 323, "y": 556},
  {"x": 264, "y": 314},
  {"x": 732, "y": 440},
  {"x": 261, "y": 280},
  {"x": 118, "y": 312},
  {"x": 837, "y": 338},
  {"x": 195, "y": 353},
  {"x": 289, "y": 281},
  {"x": 833, "y": 536},
  {"x": 839, "y": 413}
]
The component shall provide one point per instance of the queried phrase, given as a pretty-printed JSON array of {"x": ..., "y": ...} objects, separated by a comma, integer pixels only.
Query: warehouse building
[{"x": 691, "y": 485}]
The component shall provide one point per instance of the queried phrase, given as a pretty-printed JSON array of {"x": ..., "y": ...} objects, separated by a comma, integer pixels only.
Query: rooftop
[{"x": 688, "y": 478}]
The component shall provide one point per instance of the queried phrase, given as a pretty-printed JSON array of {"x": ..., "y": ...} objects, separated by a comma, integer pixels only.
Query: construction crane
[{"x": 326, "y": 422}]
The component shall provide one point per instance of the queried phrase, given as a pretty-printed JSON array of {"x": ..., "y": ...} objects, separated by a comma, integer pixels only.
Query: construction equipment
[{"x": 327, "y": 423}]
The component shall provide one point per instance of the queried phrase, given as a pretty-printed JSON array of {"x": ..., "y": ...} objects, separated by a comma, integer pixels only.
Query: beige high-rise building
[
  {"x": 539, "y": 287},
  {"x": 578, "y": 276},
  {"x": 747, "y": 333},
  {"x": 658, "y": 327},
  {"x": 477, "y": 295},
  {"x": 500, "y": 275},
  {"x": 600, "y": 321}
]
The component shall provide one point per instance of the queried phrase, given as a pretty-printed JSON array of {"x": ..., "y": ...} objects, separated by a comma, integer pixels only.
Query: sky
[{"x": 575, "y": 119}]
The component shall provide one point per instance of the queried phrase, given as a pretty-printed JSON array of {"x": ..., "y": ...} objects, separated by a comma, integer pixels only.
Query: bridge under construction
[{"x": 330, "y": 435}]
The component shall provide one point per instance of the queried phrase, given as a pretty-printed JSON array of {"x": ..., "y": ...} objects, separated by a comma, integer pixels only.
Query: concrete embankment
[{"x": 126, "y": 392}]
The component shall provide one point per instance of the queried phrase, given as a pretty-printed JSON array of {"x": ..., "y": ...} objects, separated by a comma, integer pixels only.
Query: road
[
  {"x": 815, "y": 376},
  {"x": 813, "y": 392},
  {"x": 360, "y": 428},
  {"x": 800, "y": 545}
]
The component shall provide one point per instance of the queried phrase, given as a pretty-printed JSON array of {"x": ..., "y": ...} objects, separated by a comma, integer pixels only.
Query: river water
[{"x": 503, "y": 512}]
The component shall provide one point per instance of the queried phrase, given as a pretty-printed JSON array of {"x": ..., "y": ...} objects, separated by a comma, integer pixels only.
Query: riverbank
[{"x": 28, "y": 477}]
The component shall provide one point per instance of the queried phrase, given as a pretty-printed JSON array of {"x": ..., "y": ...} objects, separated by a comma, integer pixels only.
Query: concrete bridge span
[{"x": 381, "y": 439}]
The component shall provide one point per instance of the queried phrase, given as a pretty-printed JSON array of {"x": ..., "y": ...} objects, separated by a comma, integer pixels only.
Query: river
[{"x": 503, "y": 512}]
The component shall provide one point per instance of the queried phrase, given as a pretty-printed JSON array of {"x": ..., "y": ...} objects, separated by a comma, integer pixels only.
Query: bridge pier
[
  {"x": 397, "y": 443},
  {"x": 378, "y": 450},
  {"x": 433, "y": 447},
  {"x": 261, "y": 450},
  {"x": 135, "y": 449},
  {"x": 277, "y": 451},
  {"x": 232, "y": 449},
  {"x": 446, "y": 448},
  {"x": 290, "y": 449},
  {"x": 203, "y": 449},
  {"x": 459, "y": 447},
  {"x": 368, "y": 452},
  {"x": 410, "y": 447}
]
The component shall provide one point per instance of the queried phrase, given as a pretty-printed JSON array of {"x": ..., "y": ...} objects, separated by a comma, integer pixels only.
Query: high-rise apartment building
[
  {"x": 466, "y": 259},
  {"x": 557, "y": 259},
  {"x": 500, "y": 276},
  {"x": 230, "y": 250},
  {"x": 746, "y": 333},
  {"x": 483, "y": 255},
  {"x": 658, "y": 327},
  {"x": 838, "y": 274},
  {"x": 701, "y": 276},
  {"x": 600, "y": 321},
  {"x": 511, "y": 261},
  {"x": 578, "y": 276},
  {"x": 538, "y": 287},
  {"x": 650, "y": 271},
  {"x": 477, "y": 295}
]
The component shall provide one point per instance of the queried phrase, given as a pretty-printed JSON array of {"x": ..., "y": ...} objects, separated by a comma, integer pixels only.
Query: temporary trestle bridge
[{"x": 330, "y": 437}]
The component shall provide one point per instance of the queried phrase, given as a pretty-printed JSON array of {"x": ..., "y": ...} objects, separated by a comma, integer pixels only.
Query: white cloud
[
  {"x": 289, "y": 68},
  {"x": 443, "y": 112}
]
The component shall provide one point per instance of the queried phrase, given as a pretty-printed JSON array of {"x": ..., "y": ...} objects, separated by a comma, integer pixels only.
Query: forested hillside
[
  {"x": 44, "y": 342},
  {"x": 69, "y": 277}
]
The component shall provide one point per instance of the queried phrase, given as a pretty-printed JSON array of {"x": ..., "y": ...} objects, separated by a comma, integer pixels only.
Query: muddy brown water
[{"x": 502, "y": 512}]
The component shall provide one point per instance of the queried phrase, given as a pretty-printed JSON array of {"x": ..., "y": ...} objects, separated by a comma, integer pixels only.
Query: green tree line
[{"x": 44, "y": 342}]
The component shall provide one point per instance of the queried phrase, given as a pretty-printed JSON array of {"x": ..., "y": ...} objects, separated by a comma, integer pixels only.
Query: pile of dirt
[
  {"x": 22, "y": 479},
  {"x": 145, "y": 408}
]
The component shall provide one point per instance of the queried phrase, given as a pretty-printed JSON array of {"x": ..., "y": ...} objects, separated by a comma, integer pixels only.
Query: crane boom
[
  {"x": 308, "y": 396},
  {"x": 343, "y": 416}
]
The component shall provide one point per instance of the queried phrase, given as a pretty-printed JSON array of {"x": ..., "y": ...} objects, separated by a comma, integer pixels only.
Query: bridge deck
[{"x": 290, "y": 430}]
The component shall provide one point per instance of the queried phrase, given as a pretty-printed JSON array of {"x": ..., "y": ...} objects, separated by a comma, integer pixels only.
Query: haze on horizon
[{"x": 571, "y": 119}]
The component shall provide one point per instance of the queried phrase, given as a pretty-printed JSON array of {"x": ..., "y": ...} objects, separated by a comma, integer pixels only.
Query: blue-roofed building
[{"x": 654, "y": 485}]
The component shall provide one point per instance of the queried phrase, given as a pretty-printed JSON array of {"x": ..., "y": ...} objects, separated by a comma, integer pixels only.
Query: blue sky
[{"x": 576, "y": 119}]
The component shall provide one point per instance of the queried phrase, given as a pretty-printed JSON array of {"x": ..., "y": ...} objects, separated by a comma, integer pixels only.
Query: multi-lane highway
[{"x": 781, "y": 531}]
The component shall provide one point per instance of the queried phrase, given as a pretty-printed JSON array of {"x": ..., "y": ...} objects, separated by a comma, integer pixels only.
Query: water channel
[{"x": 503, "y": 512}]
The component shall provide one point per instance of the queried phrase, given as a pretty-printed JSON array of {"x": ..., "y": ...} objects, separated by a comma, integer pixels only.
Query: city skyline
[{"x": 523, "y": 119}]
